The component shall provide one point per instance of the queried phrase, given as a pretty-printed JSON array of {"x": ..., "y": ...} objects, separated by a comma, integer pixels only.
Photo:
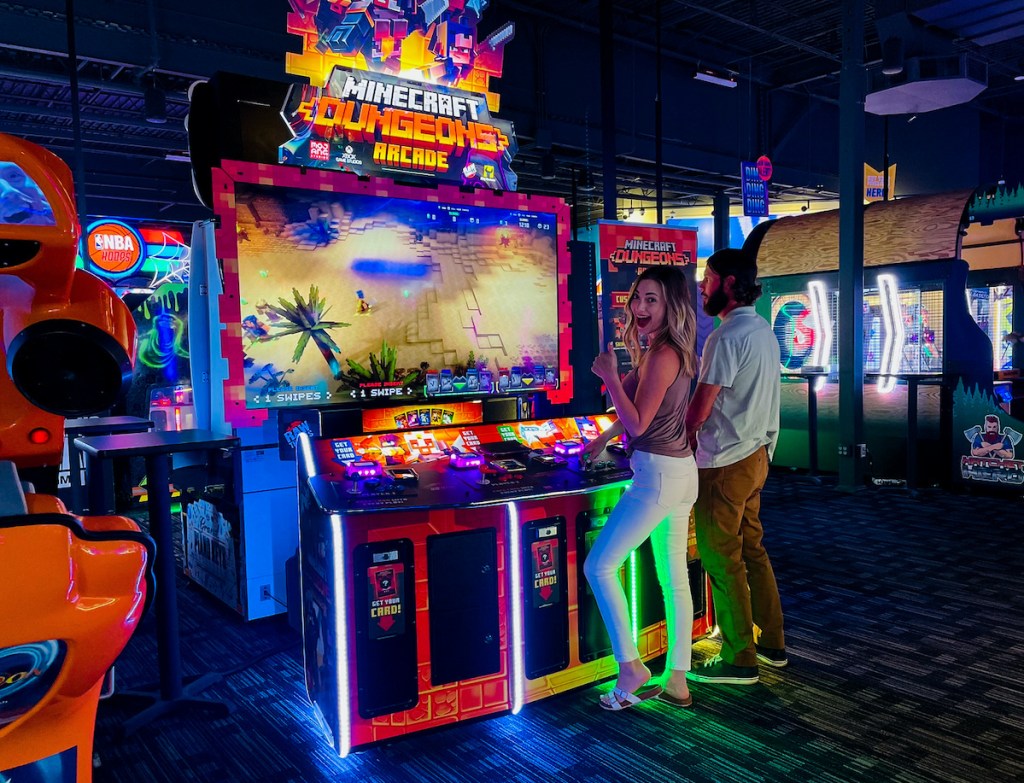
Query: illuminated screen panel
[
  {"x": 355, "y": 292},
  {"x": 992, "y": 309},
  {"x": 795, "y": 329},
  {"x": 921, "y": 349},
  {"x": 418, "y": 417},
  {"x": 21, "y": 200}
]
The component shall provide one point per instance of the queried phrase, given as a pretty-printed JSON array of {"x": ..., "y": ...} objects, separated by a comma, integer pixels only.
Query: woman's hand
[
  {"x": 591, "y": 449},
  {"x": 606, "y": 365}
]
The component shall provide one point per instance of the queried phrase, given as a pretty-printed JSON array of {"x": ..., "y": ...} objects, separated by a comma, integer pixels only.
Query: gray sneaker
[
  {"x": 770, "y": 656},
  {"x": 718, "y": 671}
]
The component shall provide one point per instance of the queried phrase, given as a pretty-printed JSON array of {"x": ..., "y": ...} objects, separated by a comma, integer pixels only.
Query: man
[{"x": 733, "y": 424}]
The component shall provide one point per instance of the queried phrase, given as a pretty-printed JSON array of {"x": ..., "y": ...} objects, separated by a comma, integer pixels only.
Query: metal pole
[
  {"x": 76, "y": 113},
  {"x": 610, "y": 190},
  {"x": 851, "y": 249},
  {"x": 721, "y": 214},
  {"x": 658, "y": 131}
]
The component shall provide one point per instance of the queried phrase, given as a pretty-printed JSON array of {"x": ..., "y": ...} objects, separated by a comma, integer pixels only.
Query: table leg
[
  {"x": 812, "y": 425},
  {"x": 98, "y": 475},
  {"x": 173, "y": 693},
  {"x": 912, "y": 435},
  {"x": 75, "y": 477}
]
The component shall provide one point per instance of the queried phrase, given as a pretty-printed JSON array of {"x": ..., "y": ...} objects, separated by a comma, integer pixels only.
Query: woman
[{"x": 650, "y": 403}]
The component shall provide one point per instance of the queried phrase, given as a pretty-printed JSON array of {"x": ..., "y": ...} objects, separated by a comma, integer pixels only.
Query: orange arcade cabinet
[{"x": 73, "y": 589}]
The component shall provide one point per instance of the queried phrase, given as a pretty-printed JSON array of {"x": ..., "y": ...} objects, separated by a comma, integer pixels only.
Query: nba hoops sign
[{"x": 113, "y": 249}]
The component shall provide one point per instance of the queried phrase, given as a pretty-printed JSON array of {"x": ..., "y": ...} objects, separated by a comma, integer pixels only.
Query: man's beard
[{"x": 716, "y": 302}]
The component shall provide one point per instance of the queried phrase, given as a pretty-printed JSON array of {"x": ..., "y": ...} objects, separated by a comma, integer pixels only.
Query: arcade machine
[
  {"x": 405, "y": 338},
  {"x": 986, "y": 431},
  {"x": 468, "y": 320},
  {"x": 992, "y": 250},
  {"x": 918, "y": 331},
  {"x": 73, "y": 588}
]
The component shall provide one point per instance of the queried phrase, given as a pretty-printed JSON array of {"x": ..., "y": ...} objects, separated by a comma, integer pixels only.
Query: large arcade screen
[{"x": 363, "y": 292}]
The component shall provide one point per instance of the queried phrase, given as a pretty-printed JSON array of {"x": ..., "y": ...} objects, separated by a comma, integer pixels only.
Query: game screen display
[
  {"x": 992, "y": 309},
  {"x": 365, "y": 298},
  {"x": 21, "y": 200},
  {"x": 921, "y": 311},
  {"x": 798, "y": 332},
  {"x": 800, "y": 336}
]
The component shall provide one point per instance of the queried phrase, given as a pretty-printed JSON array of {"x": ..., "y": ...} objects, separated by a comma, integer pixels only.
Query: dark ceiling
[{"x": 129, "y": 167}]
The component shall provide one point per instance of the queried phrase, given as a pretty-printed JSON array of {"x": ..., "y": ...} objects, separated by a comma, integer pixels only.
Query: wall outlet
[{"x": 265, "y": 593}]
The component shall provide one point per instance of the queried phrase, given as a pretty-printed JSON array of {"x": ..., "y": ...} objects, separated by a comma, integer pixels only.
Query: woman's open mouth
[{"x": 642, "y": 321}]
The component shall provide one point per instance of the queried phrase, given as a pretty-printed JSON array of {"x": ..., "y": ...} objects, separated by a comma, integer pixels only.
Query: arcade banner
[
  {"x": 754, "y": 178},
  {"x": 399, "y": 87},
  {"x": 376, "y": 124},
  {"x": 626, "y": 250},
  {"x": 137, "y": 254}
]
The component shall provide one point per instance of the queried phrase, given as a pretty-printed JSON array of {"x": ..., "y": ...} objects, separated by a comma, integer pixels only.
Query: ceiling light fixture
[
  {"x": 892, "y": 56},
  {"x": 586, "y": 181},
  {"x": 155, "y": 100},
  {"x": 711, "y": 77}
]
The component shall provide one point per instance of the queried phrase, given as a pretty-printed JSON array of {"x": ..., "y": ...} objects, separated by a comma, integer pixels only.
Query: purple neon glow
[
  {"x": 466, "y": 460},
  {"x": 363, "y": 469},
  {"x": 568, "y": 447}
]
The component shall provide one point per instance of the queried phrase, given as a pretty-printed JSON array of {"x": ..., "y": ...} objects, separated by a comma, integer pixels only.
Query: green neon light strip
[{"x": 634, "y": 605}]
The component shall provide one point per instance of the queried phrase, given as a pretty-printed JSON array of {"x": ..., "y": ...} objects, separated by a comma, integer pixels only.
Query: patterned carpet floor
[{"x": 903, "y": 618}]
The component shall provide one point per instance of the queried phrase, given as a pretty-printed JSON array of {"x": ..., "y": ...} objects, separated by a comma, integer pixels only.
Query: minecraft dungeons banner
[
  {"x": 381, "y": 125},
  {"x": 399, "y": 87},
  {"x": 626, "y": 250}
]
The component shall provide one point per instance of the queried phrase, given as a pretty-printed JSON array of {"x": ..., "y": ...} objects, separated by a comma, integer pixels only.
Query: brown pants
[{"x": 729, "y": 534}]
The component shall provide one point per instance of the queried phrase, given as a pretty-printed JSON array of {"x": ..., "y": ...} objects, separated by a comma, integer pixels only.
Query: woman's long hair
[{"x": 680, "y": 329}]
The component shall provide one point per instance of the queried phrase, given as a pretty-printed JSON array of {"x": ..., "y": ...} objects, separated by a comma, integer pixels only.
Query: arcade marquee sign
[
  {"x": 376, "y": 124},
  {"x": 398, "y": 89}
]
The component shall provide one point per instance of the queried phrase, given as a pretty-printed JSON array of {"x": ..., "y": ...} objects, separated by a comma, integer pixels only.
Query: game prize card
[
  {"x": 386, "y": 589},
  {"x": 546, "y": 578}
]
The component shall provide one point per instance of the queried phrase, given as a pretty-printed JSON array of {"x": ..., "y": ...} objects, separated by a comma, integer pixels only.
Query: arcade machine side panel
[{"x": 268, "y": 522}]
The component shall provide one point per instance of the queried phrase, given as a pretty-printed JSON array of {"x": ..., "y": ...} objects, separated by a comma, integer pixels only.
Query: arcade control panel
[{"x": 467, "y": 466}]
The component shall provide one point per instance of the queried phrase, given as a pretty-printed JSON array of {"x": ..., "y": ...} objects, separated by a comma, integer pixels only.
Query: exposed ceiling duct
[{"x": 920, "y": 70}]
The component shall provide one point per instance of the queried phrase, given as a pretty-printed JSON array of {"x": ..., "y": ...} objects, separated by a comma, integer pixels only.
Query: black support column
[
  {"x": 851, "y": 249},
  {"x": 721, "y": 213}
]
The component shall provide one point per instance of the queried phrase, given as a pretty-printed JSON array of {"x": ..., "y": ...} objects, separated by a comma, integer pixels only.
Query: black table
[
  {"x": 102, "y": 425},
  {"x": 157, "y": 448}
]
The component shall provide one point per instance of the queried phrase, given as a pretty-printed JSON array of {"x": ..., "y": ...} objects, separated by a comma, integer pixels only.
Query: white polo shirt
[{"x": 741, "y": 356}]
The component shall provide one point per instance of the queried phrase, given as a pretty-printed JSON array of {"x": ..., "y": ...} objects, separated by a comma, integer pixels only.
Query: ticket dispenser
[
  {"x": 545, "y": 597},
  {"x": 385, "y": 622}
]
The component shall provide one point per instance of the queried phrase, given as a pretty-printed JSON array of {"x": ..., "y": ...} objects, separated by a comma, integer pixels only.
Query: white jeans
[{"x": 657, "y": 506}]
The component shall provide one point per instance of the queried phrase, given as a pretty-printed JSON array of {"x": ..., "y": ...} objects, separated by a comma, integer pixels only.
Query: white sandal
[{"x": 617, "y": 699}]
